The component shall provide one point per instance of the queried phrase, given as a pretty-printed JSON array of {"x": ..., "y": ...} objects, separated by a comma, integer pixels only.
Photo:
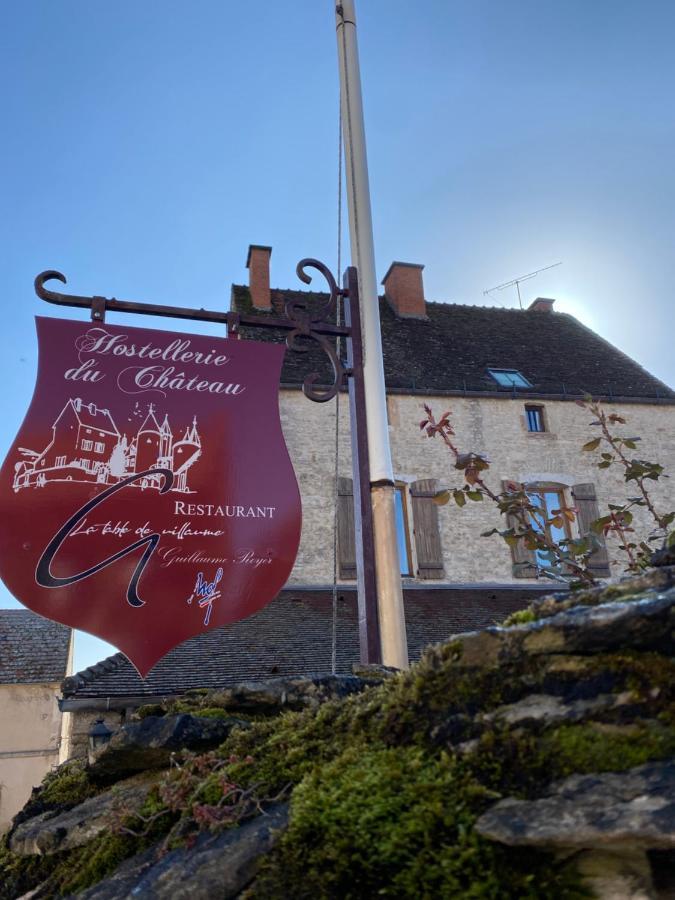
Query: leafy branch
[
  {"x": 619, "y": 521},
  {"x": 528, "y": 523}
]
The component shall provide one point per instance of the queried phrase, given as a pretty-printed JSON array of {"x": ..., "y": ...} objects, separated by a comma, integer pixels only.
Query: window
[
  {"x": 99, "y": 447},
  {"x": 87, "y": 445},
  {"x": 509, "y": 378},
  {"x": 548, "y": 499},
  {"x": 403, "y": 531},
  {"x": 535, "y": 418},
  {"x": 60, "y": 461},
  {"x": 417, "y": 529}
]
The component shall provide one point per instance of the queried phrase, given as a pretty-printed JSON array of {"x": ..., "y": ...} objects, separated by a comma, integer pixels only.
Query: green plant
[
  {"x": 527, "y": 522},
  {"x": 197, "y": 793},
  {"x": 619, "y": 522}
]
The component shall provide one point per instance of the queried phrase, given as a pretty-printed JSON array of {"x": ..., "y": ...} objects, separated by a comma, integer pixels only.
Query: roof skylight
[{"x": 509, "y": 378}]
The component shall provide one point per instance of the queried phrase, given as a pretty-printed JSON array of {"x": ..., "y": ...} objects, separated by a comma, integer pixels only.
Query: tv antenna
[{"x": 517, "y": 281}]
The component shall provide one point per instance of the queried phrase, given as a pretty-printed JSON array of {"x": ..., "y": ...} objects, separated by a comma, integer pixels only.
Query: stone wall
[
  {"x": 81, "y": 722},
  {"x": 493, "y": 426}
]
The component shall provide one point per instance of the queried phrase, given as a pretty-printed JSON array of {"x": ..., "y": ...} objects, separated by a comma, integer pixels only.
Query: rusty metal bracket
[
  {"x": 302, "y": 319},
  {"x": 98, "y": 309}
]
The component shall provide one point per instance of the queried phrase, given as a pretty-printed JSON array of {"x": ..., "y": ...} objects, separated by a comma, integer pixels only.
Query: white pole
[{"x": 390, "y": 594}]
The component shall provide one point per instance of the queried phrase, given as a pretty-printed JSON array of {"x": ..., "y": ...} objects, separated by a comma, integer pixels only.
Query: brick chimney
[
  {"x": 404, "y": 290},
  {"x": 542, "y": 304},
  {"x": 258, "y": 265}
]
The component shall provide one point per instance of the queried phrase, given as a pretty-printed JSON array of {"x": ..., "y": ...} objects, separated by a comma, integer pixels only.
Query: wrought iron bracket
[{"x": 302, "y": 319}]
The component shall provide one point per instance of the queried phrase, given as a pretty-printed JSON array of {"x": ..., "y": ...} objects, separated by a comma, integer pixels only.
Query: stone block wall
[
  {"x": 81, "y": 724},
  {"x": 494, "y": 426}
]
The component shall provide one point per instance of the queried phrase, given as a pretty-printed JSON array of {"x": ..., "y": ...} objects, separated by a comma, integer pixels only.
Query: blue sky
[{"x": 145, "y": 145}]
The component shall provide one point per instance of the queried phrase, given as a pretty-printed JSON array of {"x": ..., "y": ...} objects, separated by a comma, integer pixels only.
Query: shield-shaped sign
[{"x": 149, "y": 494}]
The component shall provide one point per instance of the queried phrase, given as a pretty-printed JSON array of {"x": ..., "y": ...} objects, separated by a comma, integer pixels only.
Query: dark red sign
[{"x": 149, "y": 494}]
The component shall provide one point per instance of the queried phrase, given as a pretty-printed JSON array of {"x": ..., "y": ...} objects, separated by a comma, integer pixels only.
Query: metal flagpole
[{"x": 382, "y": 489}]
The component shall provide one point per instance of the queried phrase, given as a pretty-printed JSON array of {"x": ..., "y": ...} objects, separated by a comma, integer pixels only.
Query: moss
[
  {"x": 68, "y": 784},
  {"x": 19, "y": 874},
  {"x": 629, "y": 590},
  {"x": 648, "y": 674},
  {"x": 94, "y": 862},
  {"x": 427, "y": 708},
  {"x": 60, "y": 874},
  {"x": 150, "y": 709},
  {"x": 382, "y": 802},
  {"x": 524, "y": 763},
  {"x": 412, "y": 839},
  {"x": 521, "y": 617},
  {"x": 78, "y": 869},
  {"x": 212, "y": 712},
  {"x": 595, "y": 747},
  {"x": 61, "y": 789},
  {"x": 287, "y": 748},
  {"x": 196, "y": 706}
]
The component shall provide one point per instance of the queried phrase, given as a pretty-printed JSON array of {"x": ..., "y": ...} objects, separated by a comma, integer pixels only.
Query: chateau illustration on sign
[{"x": 87, "y": 445}]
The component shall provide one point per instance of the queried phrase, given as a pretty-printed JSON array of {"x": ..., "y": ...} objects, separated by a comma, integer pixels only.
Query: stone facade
[
  {"x": 34, "y": 744},
  {"x": 81, "y": 723},
  {"x": 494, "y": 426},
  {"x": 35, "y": 656}
]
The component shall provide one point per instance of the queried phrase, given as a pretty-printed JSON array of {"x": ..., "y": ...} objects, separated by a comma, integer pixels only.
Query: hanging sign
[{"x": 149, "y": 494}]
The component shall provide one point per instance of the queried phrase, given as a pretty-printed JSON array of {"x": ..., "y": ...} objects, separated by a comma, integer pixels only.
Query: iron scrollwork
[
  {"x": 303, "y": 320},
  {"x": 308, "y": 317}
]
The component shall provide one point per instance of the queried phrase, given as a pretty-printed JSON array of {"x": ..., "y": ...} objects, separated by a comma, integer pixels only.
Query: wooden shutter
[
  {"x": 586, "y": 503},
  {"x": 426, "y": 530},
  {"x": 346, "y": 539},
  {"x": 523, "y": 560}
]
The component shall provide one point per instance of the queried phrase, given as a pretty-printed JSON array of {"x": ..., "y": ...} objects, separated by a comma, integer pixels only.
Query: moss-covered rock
[{"x": 386, "y": 782}]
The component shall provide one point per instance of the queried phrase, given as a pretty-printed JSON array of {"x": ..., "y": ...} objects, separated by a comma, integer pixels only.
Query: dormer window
[{"x": 510, "y": 378}]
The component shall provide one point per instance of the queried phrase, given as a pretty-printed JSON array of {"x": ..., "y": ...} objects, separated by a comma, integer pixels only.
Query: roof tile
[
  {"x": 452, "y": 350},
  {"x": 293, "y": 636},
  {"x": 33, "y": 650}
]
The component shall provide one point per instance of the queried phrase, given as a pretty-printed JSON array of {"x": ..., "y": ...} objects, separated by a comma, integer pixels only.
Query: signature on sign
[{"x": 205, "y": 592}]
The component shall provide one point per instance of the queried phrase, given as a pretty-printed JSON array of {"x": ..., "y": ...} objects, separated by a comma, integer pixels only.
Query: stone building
[
  {"x": 35, "y": 656},
  {"x": 510, "y": 378}
]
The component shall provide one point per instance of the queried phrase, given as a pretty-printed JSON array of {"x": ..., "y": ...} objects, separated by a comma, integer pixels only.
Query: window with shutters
[
  {"x": 528, "y": 563},
  {"x": 417, "y": 530}
]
